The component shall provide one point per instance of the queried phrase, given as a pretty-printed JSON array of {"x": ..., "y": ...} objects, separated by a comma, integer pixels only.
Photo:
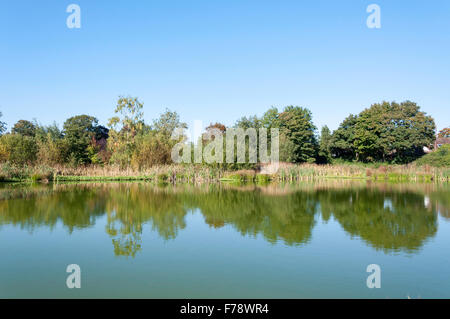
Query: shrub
[
  {"x": 19, "y": 149},
  {"x": 52, "y": 152},
  {"x": 151, "y": 150},
  {"x": 438, "y": 158}
]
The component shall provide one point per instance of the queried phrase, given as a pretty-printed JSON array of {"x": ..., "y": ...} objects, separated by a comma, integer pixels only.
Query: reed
[{"x": 202, "y": 174}]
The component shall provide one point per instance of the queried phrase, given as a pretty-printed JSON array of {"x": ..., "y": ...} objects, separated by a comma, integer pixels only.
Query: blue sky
[{"x": 219, "y": 60}]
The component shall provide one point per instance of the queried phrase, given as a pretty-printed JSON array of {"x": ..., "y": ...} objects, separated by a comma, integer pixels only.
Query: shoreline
[
  {"x": 256, "y": 179},
  {"x": 284, "y": 172}
]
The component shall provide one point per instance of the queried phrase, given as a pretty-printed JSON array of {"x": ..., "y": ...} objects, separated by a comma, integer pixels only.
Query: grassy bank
[
  {"x": 198, "y": 173},
  {"x": 165, "y": 173},
  {"x": 374, "y": 172}
]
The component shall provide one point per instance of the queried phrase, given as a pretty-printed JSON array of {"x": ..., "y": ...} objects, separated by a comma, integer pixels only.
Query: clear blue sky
[{"x": 220, "y": 60}]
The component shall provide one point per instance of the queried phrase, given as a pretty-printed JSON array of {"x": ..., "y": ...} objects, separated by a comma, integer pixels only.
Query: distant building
[{"x": 441, "y": 141}]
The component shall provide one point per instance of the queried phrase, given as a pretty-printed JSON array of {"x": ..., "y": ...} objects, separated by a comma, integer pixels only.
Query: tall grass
[
  {"x": 201, "y": 173},
  {"x": 394, "y": 173}
]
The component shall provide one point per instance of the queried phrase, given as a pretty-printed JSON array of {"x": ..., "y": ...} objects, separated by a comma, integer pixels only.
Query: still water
[{"x": 136, "y": 240}]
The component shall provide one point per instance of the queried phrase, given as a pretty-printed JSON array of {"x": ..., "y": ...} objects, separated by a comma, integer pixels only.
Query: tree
[
  {"x": 132, "y": 115},
  {"x": 324, "y": 155},
  {"x": 167, "y": 123},
  {"x": 125, "y": 128},
  {"x": 25, "y": 128},
  {"x": 248, "y": 122},
  {"x": 151, "y": 149},
  {"x": 369, "y": 146},
  {"x": 393, "y": 132},
  {"x": 296, "y": 124},
  {"x": 297, "y": 138},
  {"x": 79, "y": 132},
  {"x": 51, "y": 131},
  {"x": 53, "y": 149},
  {"x": 386, "y": 131},
  {"x": 221, "y": 127},
  {"x": 2, "y": 125},
  {"x": 444, "y": 133},
  {"x": 19, "y": 149},
  {"x": 270, "y": 118},
  {"x": 342, "y": 139}
]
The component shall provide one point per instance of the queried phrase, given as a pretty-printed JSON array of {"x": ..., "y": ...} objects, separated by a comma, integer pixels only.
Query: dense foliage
[
  {"x": 385, "y": 132},
  {"x": 298, "y": 141}
]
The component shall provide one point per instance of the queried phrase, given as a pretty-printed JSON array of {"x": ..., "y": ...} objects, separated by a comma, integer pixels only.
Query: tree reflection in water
[{"x": 387, "y": 217}]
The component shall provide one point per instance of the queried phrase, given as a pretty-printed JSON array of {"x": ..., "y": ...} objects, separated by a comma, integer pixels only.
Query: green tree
[
  {"x": 296, "y": 124},
  {"x": 342, "y": 139},
  {"x": 297, "y": 138},
  {"x": 386, "y": 131},
  {"x": 270, "y": 119},
  {"x": 19, "y": 149},
  {"x": 248, "y": 122},
  {"x": 324, "y": 155},
  {"x": 151, "y": 149},
  {"x": 155, "y": 145},
  {"x": 393, "y": 132},
  {"x": 25, "y": 128},
  {"x": 124, "y": 129},
  {"x": 167, "y": 123},
  {"x": 79, "y": 131}
]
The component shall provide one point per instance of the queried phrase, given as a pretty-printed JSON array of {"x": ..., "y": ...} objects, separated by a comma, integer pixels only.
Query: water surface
[{"x": 137, "y": 240}]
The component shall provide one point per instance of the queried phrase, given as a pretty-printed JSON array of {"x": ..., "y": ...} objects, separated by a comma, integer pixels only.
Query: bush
[
  {"x": 52, "y": 152},
  {"x": 438, "y": 158},
  {"x": 151, "y": 150},
  {"x": 18, "y": 149}
]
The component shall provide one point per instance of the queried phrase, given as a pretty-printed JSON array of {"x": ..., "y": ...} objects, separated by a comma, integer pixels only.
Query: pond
[{"x": 310, "y": 240}]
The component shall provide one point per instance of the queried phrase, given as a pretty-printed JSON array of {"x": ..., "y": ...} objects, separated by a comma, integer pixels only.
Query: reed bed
[
  {"x": 163, "y": 173},
  {"x": 393, "y": 173},
  {"x": 285, "y": 172}
]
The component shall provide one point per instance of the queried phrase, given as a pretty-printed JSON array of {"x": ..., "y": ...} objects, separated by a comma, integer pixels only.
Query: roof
[{"x": 443, "y": 140}]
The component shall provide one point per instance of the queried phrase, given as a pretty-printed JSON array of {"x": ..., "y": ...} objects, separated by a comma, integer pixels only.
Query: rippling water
[{"x": 136, "y": 240}]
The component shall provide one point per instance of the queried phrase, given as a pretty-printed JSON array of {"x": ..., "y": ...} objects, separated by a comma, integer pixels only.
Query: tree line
[{"x": 384, "y": 132}]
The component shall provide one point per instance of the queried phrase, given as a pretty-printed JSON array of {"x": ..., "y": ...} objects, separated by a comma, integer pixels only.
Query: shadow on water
[{"x": 387, "y": 217}]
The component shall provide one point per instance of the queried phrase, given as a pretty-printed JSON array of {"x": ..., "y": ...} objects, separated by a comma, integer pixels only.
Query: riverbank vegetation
[
  {"x": 190, "y": 173},
  {"x": 384, "y": 142}
]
